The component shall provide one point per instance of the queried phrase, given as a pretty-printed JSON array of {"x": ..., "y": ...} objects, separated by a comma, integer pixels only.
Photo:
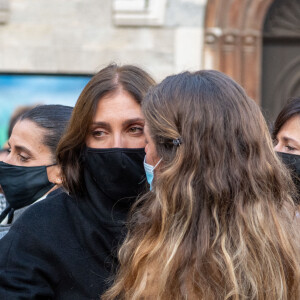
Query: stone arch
[{"x": 233, "y": 40}]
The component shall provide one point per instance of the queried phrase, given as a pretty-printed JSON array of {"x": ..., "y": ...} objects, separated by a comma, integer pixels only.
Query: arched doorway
[
  {"x": 233, "y": 40},
  {"x": 281, "y": 56}
]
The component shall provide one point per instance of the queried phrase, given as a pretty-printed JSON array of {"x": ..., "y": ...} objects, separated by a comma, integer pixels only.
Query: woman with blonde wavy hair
[{"x": 219, "y": 221}]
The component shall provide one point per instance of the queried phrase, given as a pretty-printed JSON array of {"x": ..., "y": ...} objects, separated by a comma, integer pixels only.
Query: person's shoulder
[
  {"x": 49, "y": 212},
  {"x": 54, "y": 200},
  {"x": 57, "y": 192}
]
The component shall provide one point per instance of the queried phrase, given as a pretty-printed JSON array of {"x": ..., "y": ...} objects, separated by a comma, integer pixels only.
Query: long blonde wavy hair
[{"x": 220, "y": 221}]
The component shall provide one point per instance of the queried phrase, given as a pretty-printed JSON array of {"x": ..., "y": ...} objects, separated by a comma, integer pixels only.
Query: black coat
[{"x": 62, "y": 248}]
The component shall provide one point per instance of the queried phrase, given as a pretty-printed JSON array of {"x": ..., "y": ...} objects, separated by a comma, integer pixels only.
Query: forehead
[
  {"x": 27, "y": 134},
  {"x": 117, "y": 106},
  {"x": 291, "y": 127}
]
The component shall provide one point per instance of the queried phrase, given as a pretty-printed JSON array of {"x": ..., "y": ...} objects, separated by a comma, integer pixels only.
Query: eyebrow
[
  {"x": 132, "y": 121},
  {"x": 124, "y": 124},
  {"x": 101, "y": 124},
  {"x": 286, "y": 139},
  {"x": 22, "y": 148}
]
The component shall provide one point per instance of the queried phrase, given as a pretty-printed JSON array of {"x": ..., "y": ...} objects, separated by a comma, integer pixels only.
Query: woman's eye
[
  {"x": 98, "y": 133},
  {"x": 23, "y": 158},
  {"x": 136, "y": 130},
  {"x": 290, "y": 148}
]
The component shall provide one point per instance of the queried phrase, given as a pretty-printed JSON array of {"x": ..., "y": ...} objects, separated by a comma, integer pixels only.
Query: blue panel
[{"x": 20, "y": 90}]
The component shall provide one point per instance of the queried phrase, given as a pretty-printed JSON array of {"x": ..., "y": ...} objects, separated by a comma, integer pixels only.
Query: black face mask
[
  {"x": 23, "y": 185},
  {"x": 117, "y": 172},
  {"x": 292, "y": 161}
]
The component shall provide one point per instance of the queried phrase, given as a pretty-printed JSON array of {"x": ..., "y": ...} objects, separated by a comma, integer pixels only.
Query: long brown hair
[
  {"x": 219, "y": 222},
  {"x": 69, "y": 153}
]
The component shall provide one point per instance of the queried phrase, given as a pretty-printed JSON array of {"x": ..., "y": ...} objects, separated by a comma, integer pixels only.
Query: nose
[
  {"x": 3, "y": 155},
  {"x": 8, "y": 158},
  {"x": 117, "y": 141},
  {"x": 278, "y": 147}
]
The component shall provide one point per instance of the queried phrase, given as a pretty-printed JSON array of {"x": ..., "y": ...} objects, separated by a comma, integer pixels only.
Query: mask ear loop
[
  {"x": 157, "y": 163},
  {"x": 51, "y": 165}
]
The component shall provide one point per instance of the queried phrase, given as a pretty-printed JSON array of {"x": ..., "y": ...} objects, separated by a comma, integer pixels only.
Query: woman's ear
[{"x": 54, "y": 174}]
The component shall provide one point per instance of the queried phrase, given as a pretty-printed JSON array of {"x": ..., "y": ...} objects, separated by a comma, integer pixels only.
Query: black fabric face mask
[
  {"x": 117, "y": 172},
  {"x": 23, "y": 185},
  {"x": 292, "y": 161}
]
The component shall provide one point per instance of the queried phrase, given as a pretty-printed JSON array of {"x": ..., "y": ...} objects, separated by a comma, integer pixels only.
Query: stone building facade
[
  {"x": 162, "y": 36},
  {"x": 81, "y": 36}
]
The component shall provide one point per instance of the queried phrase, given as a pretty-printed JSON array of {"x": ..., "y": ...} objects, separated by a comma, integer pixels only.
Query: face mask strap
[
  {"x": 150, "y": 166},
  {"x": 157, "y": 163},
  {"x": 51, "y": 165}
]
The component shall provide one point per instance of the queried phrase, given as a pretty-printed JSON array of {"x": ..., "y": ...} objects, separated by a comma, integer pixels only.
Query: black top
[
  {"x": 59, "y": 249},
  {"x": 66, "y": 247}
]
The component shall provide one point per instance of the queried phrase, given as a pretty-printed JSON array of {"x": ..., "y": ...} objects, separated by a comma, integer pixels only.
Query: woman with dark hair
[
  {"x": 4, "y": 151},
  {"x": 64, "y": 247},
  {"x": 30, "y": 172},
  {"x": 219, "y": 220},
  {"x": 286, "y": 136}
]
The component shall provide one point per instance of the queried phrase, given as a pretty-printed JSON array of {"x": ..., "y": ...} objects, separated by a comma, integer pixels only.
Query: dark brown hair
[
  {"x": 69, "y": 153},
  {"x": 290, "y": 109},
  {"x": 18, "y": 112},
  {"x": 53, "y": 118},
  {"x": 219, "y": 222}
]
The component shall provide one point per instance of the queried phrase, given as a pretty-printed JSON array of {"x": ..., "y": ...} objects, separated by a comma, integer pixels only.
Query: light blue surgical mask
[{"x": 150, "y": 171}]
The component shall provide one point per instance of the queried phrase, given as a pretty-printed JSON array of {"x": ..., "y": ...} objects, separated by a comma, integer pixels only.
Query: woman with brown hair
[
  {"x": 219, "y": 222},
  {"x": 64, "y": 247}
]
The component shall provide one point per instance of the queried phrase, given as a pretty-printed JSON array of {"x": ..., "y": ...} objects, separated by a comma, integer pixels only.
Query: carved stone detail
[
  {"x": 236, "y": 50},
  {"x": 229, "y": 39},
  {"x": 249, "y": 40},
  {"x": 139, "y": 13},
  {"x": 210, "y": 38}
]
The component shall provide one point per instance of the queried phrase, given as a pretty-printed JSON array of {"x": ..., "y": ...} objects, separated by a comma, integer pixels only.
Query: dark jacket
[
  {"x": 18, "y": 212},
  {"x": 62, "y": 248}
]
